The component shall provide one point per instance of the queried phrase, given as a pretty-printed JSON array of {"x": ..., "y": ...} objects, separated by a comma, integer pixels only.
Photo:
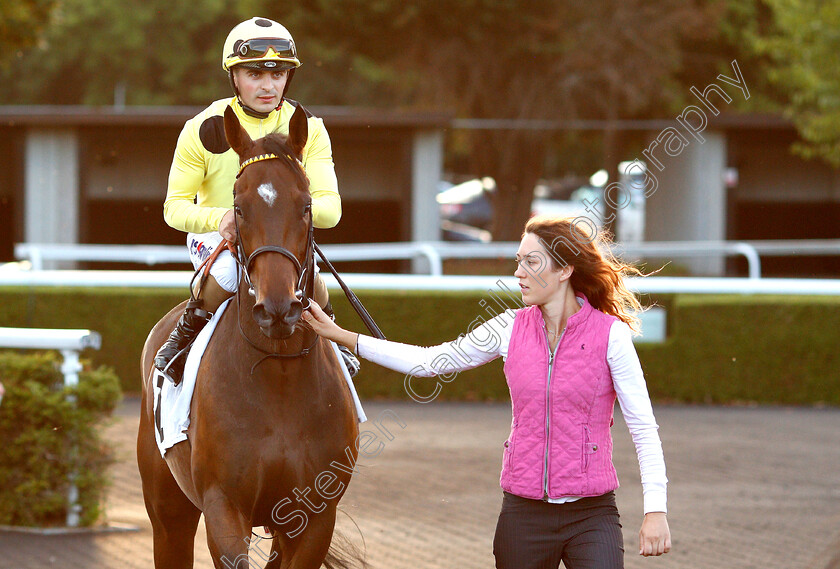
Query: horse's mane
[{"x": 275, "y": 143}]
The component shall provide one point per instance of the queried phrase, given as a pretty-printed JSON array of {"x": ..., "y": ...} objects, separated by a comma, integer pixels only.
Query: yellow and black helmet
[{"x": 260, "y": 43}]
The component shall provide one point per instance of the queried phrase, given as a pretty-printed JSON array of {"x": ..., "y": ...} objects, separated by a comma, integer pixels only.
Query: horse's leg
[
  {"x": 275, "y": 558},
  {"x": 228, "y": 532},
  {"x": 174, "y": 518},
  {"x": 311, "y": 548}
]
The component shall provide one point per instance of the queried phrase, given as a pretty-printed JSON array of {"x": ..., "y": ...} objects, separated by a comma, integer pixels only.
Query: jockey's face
[{"x": 260, "y": 89}]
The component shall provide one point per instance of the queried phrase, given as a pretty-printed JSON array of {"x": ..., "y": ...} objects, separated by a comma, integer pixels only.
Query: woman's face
[{"x": 539, "y": 280}]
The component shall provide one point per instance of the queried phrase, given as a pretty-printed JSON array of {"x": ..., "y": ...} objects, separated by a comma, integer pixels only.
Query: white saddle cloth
[{"x": 172, "y": 402}]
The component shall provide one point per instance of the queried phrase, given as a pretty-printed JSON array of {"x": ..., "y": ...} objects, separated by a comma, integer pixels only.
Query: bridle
[{"x": 305, "y": 271}]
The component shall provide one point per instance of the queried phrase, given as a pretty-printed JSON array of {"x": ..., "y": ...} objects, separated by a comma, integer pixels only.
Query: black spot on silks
[
  {"x": 212, "y": 135},
  {"x": 263, "y": 23}
]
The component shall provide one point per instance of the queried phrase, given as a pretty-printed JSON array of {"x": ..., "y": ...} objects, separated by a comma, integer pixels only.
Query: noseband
[{"x": 305, "y": 272}]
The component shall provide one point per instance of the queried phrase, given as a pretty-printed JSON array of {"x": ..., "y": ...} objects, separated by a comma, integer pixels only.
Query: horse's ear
[
  {"x": 298, "y": 131},
  {"x": 236, "y": 136}
]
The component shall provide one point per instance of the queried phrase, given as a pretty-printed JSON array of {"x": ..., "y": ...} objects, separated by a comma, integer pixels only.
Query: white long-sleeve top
[{"x": 491, "y": 340}]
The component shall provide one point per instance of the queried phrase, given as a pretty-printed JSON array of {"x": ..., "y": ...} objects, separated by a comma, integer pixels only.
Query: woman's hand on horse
[
  {"x": 227, "y": 227},
  {"x": 325, "y": 327}
]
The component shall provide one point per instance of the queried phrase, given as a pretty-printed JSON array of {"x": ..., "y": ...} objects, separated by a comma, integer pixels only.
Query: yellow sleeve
[
  {"x": 320, "y": 169},
  {"x": 185, "y": 178}
]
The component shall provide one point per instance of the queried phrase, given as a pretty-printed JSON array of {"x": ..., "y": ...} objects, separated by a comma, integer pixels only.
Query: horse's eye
[
  {"x": 306, "y": 209},
  {"x": 237, "y": 211}
]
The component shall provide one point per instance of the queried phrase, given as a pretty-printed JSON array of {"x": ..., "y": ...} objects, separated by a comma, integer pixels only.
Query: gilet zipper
[{"x": 551, "y": 356}]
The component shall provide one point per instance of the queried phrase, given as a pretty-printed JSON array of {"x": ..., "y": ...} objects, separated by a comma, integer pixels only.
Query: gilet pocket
[
  {"x": 589, "y": 448},
  {"x": 509, "y": 448}
]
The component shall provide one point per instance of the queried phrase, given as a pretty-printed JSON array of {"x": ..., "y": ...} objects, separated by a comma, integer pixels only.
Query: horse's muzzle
[{"x": 277, "y": 321}]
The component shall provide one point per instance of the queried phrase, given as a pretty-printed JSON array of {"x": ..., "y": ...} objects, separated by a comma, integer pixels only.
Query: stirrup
[
  {"x": 350, "y": 361},
  {"x": 174, "y": 370}
]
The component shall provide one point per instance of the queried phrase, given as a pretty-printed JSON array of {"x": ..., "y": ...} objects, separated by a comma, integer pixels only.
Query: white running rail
[
  {"x": 371, "y": 281},
  {"x": 433, "y": 251}
]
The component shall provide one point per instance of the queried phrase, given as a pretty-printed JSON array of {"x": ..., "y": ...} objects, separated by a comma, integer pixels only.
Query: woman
[{"x": 568, "y": 355}]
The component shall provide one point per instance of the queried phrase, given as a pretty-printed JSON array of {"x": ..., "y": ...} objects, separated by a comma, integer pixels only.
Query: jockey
[{"x": 260, "y": 59}]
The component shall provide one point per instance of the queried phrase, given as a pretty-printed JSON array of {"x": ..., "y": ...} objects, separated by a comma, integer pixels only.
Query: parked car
[
  {"x": 466, "y": 209},
  {"x": 468, "y": 203}
]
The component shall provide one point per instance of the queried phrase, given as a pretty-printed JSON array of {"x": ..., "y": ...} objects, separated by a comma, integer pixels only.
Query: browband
[{"x": 259, "y": 158}]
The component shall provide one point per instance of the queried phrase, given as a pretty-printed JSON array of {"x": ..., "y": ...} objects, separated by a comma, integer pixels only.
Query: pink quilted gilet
[{"x": 560, "y": 443}]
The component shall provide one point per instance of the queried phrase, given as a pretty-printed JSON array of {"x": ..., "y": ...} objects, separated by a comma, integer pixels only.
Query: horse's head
[{"x": 272, "y": 206}]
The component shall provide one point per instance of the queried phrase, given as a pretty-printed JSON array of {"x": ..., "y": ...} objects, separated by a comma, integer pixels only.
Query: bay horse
[{"x": 271, "y": 412}]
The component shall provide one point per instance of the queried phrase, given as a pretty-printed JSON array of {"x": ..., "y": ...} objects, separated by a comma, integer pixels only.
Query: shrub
[{"x": 49, "y": 433}]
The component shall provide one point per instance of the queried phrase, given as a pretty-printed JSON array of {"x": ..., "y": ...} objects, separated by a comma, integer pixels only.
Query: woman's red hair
[{"x": 597, "y": 273}]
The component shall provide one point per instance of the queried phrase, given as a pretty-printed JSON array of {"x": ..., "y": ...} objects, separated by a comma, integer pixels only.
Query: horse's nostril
[
  {"x": 261, "y": 315},
  {"x": 267, "y": 314},
  {"x": 294, "y": 312}
]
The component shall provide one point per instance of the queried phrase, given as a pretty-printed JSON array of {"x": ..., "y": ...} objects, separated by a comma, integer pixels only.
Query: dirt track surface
[{"x": 749, "y": 488}]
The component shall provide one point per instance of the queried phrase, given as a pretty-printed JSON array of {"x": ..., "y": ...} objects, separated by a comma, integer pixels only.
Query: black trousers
[{"x": 584, "y": 534}]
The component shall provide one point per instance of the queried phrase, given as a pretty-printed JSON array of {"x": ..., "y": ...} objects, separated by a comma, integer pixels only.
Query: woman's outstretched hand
[{"x": 324, "y": 326}]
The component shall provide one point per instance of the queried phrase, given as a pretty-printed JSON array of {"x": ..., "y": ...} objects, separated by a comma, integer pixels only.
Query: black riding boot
[
  {"x": 351, "y": 362},
  {"x": 172, "y": 355}
]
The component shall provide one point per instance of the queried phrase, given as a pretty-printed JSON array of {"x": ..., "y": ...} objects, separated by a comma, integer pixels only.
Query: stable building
[
  {"x": 99, "y": 175},
  {"x": 743, "y": 183},
  {"x": 77, "y": 174}
]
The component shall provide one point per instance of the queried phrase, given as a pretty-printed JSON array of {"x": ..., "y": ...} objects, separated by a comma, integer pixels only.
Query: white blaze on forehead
[{"x": 268, "y": 193}]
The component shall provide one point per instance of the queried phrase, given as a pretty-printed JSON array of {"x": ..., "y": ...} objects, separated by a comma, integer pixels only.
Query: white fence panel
[
  {"x": 375, "y": 281},
  {"x": 434, "y": 251}
]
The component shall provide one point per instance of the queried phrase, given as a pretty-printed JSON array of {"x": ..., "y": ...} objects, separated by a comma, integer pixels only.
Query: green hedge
[
  {"x": 734, "y": 348},
  {"x": 720, "y": 349},
  {"x": 123, "y": 317},
  {"x": 50, "y": 432}
]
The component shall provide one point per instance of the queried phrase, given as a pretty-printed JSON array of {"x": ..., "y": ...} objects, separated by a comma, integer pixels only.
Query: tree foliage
[
  {"x": 544, "y": 59},
  {"x": 799, "y": 42},
  {"x": 156, "y": 51},
  {"x": 21, "y": 24}
]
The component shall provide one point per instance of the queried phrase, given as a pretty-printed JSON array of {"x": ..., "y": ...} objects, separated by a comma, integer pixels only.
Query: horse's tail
[{"x": 343, "y": 554}]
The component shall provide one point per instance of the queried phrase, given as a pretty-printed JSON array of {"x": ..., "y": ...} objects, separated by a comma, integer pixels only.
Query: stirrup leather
[{"x": 172, "y": 355}]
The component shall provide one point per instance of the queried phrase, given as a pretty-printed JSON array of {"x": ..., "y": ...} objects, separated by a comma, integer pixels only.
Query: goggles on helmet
[{"x": 258, "y": 47}]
